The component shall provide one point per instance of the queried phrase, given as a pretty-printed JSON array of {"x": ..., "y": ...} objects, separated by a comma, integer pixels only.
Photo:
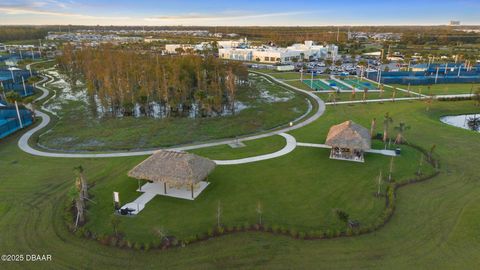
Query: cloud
[
  {"x": 19, "y": 10},
  {"x": 192, "y": 17}
]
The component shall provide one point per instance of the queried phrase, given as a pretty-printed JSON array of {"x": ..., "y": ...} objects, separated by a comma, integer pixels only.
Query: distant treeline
[
  {"x": 122, "y": 80},
  {"x": 281, "y": 35},
  {"x": 9, "y": 33}
]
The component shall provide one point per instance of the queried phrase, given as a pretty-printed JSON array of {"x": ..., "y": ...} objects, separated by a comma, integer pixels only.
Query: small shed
[
  {"x": 174, "y": 169},
  {"x": 349, "y": 141}
]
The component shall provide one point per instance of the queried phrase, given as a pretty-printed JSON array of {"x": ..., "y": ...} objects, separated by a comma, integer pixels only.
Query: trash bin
[{"x": 398, "y": 151}]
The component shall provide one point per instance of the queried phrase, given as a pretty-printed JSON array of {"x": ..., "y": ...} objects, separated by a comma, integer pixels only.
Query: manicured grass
[
  {"x": 79, "y": 129},
  {"x": 290, "y": 75},
  {"x": 387, "y": 94},
  {"x": 300, "y": 190},
  {"x": 434, "y": 225},
  {"x": 443, "y": 89},
  {"x": 251, "y": 148}
]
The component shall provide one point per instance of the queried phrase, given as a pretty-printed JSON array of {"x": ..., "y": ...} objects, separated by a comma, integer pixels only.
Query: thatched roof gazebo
[
  {"x": 174, "y": 168},
  {"x": 348, "y": 141}
]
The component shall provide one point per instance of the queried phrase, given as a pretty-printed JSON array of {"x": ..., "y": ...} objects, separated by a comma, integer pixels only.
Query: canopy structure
[
  {"x": 174, "y": 169},
  {"x": 349, "y": 141}
]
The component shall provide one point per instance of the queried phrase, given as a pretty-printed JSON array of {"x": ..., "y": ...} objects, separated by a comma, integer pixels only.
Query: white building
[
  {"x": 235, "y": 50},
  {"x": 232, "y": 43},
  {"x": 172, "y": 48}
]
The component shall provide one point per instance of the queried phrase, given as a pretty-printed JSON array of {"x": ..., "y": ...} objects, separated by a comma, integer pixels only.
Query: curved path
[{"x": 290, "y": 145}]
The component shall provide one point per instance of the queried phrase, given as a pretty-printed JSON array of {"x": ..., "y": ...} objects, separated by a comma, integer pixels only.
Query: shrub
[
  {"x": 121, "y": 243},
  {"x": 210, "y": 232},
  {"x": 146, "y": 246},
  {"x": 220, "y": 230},
  {"x": 129, "y": 244},
  {"x": 137, "y": 246},
  {"x": 174, "y": 241},
  {"x": 201, "y": 236},
  {"x": 293, "y": 232},
  {"x": 103, "y": 239},
  {"x": 312, "y": 234},
  {"x": 342, "y": 215},
  {"x": 156, "y": 243},
  {"x": 87, "y": 233},
  {"x": 80, "y": 232},
  {"x": 113, "y": 241}
]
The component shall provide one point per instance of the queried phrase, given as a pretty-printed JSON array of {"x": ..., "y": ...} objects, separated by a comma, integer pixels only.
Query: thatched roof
[
  {"x": 349, "y": 135},
  {"x": 173, "y": 167}
]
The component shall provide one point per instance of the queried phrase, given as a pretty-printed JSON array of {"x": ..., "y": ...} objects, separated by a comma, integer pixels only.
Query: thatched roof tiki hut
[
  {"x": 348, "y": 141},
  {"x": 173, "y": 169}
]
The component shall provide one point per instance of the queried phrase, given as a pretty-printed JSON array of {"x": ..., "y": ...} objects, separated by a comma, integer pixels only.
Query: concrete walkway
[
  {"x": 374, "y": 151},
  {"x": 291, "y": 143},
  {"x": 373, "y": 100},
  {"x": 289, "y": 147}
]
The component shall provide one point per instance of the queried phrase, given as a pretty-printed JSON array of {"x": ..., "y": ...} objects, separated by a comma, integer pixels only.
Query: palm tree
[
  {"x": 380, "y": 95},
  {"x": 115, "y": 222},
  {"x": 259, "y": 210},
  {"x": 219, "y": 213},
  {"x": 428, "y": 102},
  {"x": 394, "y": 94},
  {"x": 373, "y": 126},
  {"x": 379, "y": 184},
  {"x": 82, "y": 182},
  {"x": 476, "y": 97},
  {"x": 401, "y": 128},
  {"x": 387, "y": 120},
  {"x": 12, "y": 96},
  {"x": 161, "y": 233}
]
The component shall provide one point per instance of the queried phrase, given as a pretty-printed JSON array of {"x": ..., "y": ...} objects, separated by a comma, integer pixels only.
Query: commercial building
[
  {"x": 236, "y": 50},
  {"x": 174, "y": 48}
]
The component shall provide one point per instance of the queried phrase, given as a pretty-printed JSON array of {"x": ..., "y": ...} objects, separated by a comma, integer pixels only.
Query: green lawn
[
  {"x": 434, "y": 225},
  {"x": 442, "y": 89},
  {"x": 252, "y": 148},
  {"x": 387, "y": 94},
  {"x": 79, "y": 129},
  {"x": 290, "y": 75},
  {"x": 300, "y": 191}
]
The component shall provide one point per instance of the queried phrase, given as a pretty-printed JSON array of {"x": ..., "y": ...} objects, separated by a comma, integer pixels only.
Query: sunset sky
[{"x": 209, "y": 12}]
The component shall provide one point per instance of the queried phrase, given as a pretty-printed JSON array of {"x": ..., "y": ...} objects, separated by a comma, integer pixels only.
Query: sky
[{"x": 240, "y": 12}]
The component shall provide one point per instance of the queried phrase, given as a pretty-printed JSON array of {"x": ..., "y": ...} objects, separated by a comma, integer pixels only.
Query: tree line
[{"x": 124, "y": 80}]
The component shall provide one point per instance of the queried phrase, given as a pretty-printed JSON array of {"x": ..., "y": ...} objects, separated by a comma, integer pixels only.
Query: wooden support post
[
  {"x": 165, "y": 187},
  {"x": 191, "y": 187}
]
